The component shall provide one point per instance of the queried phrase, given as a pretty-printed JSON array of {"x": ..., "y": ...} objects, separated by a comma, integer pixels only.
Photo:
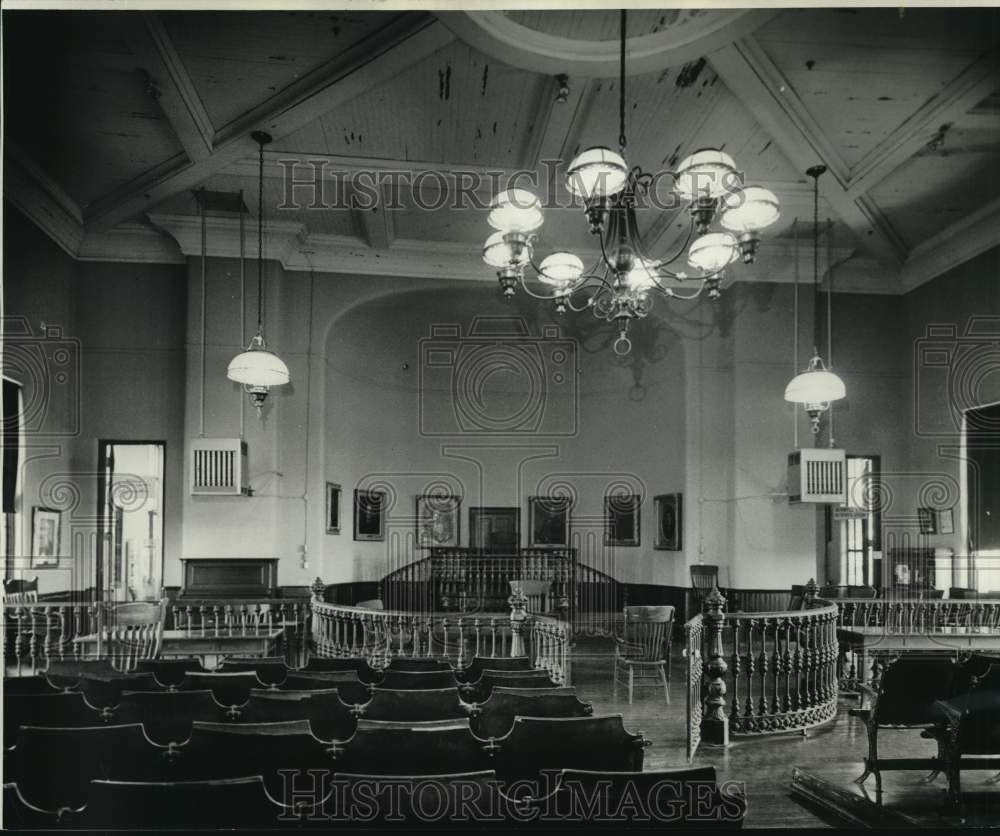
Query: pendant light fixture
[
  {"x": 257, "y": 368},
  {"x": 817, "y": 387}
]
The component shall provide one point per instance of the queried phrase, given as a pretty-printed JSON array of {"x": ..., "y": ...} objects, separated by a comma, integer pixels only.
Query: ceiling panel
[
  {"x": 938, "y": 188},
  {"x": 238, "y": 60},
  {"x": 78, "y": 104},
  {"x": 457, "y": 106},
  {"x": 862, "y": 72}
]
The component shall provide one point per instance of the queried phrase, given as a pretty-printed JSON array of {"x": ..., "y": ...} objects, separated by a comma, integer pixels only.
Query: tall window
[
  {"x": 860, "y": 535},
  {"x": 11, "y": 488}
]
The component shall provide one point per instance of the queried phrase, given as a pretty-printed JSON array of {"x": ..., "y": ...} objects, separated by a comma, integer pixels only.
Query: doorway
[
  {"x": 495, "y": 530},
  {"x": 130, "y": 513}
]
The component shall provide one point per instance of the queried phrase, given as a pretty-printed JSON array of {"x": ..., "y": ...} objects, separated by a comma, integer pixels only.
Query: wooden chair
[
  {"x": 417, "y": 680},
  {"x": 329, "y": 717},
  {"x": 494, "y": 663},
  {"x": 495, "y": 717},
  {"x": 20, "y": 591},
  {"x": 167, "y": 717},
  {"x": 535, "y": 745},
  {"x": 411, "y": 751},
  {"x": 704, "y": 578},
  {"x": 697, "y": 800},
  {"x": 642, "y": 652},
  {"x": 134, "y": 632},
  {"x": 910, "y": 695},
  {"x": 233, "y": 803},
  {"x": 414, "y": 706}
]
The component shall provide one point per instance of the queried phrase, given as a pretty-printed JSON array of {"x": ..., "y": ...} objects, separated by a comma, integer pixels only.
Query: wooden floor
[{"x": 833, "y": 752}]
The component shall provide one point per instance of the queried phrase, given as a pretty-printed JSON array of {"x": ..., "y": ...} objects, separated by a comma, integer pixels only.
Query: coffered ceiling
[{"x": 114, "y": 119}]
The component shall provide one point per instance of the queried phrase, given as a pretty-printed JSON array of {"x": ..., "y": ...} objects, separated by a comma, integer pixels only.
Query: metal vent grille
[
  {"x": 818, "y": 476},
  {"x": 218, "y": 466}
]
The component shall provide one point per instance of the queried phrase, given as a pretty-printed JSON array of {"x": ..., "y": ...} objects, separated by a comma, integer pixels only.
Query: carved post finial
[
  {"x": 715, "y": 723},
  {"x": 811, "y": 591},
  {"x": 318, "y": 589},
  {"x": 518, "y": 613}
]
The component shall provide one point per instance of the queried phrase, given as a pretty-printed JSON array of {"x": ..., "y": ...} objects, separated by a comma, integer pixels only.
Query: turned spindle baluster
[{"x": 715, "y": 723}]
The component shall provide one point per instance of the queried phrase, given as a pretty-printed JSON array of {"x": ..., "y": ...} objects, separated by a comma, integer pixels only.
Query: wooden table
[
  {"x": 877, "y": 642},
  {"x": 209, "y": 645}
]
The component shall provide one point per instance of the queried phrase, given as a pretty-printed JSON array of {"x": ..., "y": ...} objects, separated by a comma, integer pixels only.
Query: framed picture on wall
[
  {"x": 621, "y": 519},
  {"x": 438, "y": 520},
  {"x": 946, "y": 521},
  {"x": 369, "y": 514},
  {"x": 332, "y": 508},
  {"x": 927, "y": 520},
  {"x": 44, "y": 536},
  {"x": 669, "y": 521},
  {"x": 548, "y": 520}
]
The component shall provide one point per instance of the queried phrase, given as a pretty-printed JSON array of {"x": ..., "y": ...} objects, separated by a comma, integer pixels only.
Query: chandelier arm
[
  {"x": 683, "y": 248},
  {"x": 687, "y": 297},
  {"x": 532, "y": 294}
]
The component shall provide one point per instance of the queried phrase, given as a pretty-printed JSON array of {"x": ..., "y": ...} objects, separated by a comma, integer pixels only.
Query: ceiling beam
[
  {"x": 375, "y": 218},
  {"x": 754, "y": 79},
  {"x": 42, "y": 200},
  {"x": 961, "y": 95},
  {"x": 374, "y": 60},
  {"x": 169, "y": 84},
  {"x": 965, "y": 239}
]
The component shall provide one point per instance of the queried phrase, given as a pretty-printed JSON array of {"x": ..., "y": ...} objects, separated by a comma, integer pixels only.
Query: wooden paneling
[{"x": 231, "y": 577}]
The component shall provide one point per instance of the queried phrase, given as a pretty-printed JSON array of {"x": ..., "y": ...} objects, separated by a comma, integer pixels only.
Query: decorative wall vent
[
  {"x": 817, "y": 476},
  {"x": 219, "y": 467}
]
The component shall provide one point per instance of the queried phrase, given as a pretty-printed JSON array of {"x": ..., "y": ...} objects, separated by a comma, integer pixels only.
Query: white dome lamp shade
[
  {"x": 597, "y": 172},
  {"x": 560, "y": 270},
  {"x": 815, "y": 388},
  {"x": 746, "y": 213},
  {"x": 258, "y": 369},
  {"x": 516, "y": 210},
  {"x": 712, "y": 253}
]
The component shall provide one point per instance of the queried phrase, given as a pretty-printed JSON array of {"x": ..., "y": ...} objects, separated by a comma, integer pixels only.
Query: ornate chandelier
[
  {"x": 623, "y": 283},
  {"x": 257, "y": 368}
]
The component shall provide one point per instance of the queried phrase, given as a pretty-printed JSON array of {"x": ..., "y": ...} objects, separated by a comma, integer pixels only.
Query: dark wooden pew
[
  {"x": 104, "y": 691},
  {"x": 414, "y": 706},
  {"x": 170, "y": 672},
  {"x": 219, "y": 804},
  {"x": 416, "y": 665},
  {"x": 56, "y": 710},
  {"x": 495, "y": 716},
  {"x": 330, "y": 718},
  {"x": 411, "y": 751},
  {"x": 229, "y": 689},
  {"x": 271, "y": 670},
  {"x": 475, "y": 668},
  {"x": 18, "y": 814},
  {"x": 351, "y": 689},
  {"x": 398, "y": 680},
  {"x": 360, "y": 666},
  {"x": 241, "y": 750},
  {"x": 656, "y": 800},
  {"x": 167, "y": 717},
  {"x": 66, "y": 673},
  {"x": 53, "y": 766},
  {"x": 552, "y": 743},
  {"x": 480, "y": 689},
  {"x": 27, "y": 685}
]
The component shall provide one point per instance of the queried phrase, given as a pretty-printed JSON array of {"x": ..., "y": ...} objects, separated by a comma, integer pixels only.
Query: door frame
[
  {"x": 475, "y": 512},
  {"x": 102, "y": 519}
]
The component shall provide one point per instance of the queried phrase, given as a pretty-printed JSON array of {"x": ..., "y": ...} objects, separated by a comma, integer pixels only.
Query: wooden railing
[
  {"x": 765, "y": 673},
  {"x": 34, "y": 634},
  {"x": 381, "y": 635},
  {"x": 917, "y": 615}
]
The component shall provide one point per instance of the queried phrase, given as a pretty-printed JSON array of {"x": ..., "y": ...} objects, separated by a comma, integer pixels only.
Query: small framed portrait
[
  {"x": 621, "y": 519},
  {"x": 332, "y": 508},
  {"x": 548, "y": 520},
  {"x": 369, "y": 514},
  {"x": 927, "y": 520},
  {"x": 946, "y": 521},
  {"x": 438, "y": 520},
  {"x": 669, "y": 521},
  {"x": 45, "y": 536}
]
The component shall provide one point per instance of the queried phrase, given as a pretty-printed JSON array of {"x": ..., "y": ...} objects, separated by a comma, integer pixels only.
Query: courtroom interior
[{"x": 576, "y": 419}]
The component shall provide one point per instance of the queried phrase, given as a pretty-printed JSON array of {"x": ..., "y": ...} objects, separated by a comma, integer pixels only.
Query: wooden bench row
[
  {"x": 54, "y": 766},
  {"x": 168, "y": 716},
  {"x": 578, "y": 800}
]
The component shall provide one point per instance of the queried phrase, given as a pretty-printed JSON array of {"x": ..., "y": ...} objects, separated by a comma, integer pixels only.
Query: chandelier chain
[
  {"x": 621, "y": 85},
  {"x": 260, "y": 237}
]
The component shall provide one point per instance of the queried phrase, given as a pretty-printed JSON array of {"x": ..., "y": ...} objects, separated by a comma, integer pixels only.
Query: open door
[{"x": 130, "y": 541}]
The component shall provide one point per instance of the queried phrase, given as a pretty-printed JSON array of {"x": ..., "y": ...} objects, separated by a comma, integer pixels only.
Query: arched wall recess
[{"x": 695, "y": 34}]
